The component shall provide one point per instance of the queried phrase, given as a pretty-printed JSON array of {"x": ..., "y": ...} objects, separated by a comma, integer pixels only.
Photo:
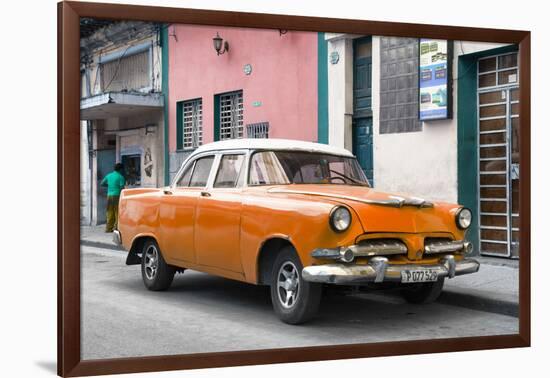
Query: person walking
[{"x": 115, "y": 182}]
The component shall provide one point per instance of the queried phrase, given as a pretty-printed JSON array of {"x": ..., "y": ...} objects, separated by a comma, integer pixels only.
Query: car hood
[{"x": 381, "y": 211}]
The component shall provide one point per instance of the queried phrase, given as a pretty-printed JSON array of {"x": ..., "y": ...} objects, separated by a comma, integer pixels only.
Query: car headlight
[
  {"x": 340, "y": 219},
  {"x": 463, "y": 218}
]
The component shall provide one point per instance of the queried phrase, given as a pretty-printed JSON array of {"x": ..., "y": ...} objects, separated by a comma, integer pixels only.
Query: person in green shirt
[{"x": 115, "y": 182}]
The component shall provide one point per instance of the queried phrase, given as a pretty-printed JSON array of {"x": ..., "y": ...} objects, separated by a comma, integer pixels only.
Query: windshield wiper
[{"x": 349, "y": 178}]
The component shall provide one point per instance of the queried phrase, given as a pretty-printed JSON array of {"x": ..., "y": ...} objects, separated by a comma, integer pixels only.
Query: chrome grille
[
  {"x": 379, "y": 247},
  {"x": 442, "y": 245}
]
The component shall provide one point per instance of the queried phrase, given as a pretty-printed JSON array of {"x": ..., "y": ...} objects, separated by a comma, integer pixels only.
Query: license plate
[{"x": 419, "y": 275}]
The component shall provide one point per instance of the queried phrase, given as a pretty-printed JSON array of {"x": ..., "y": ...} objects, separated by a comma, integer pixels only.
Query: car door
[
  {"x": 217, "y": 224},
  {"x": 178, "y": 210}
]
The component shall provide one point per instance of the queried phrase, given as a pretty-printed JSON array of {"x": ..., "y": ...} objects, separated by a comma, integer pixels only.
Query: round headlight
[
  {"x": 464, "y": 218},
  {"x": 340, "y": 219}
]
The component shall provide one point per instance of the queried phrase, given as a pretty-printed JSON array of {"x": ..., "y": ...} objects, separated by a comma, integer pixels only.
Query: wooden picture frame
[{"x": 69, "y": 284}]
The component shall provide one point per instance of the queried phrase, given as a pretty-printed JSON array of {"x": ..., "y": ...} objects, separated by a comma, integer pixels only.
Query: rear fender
[{"x": 134, "y": 257}]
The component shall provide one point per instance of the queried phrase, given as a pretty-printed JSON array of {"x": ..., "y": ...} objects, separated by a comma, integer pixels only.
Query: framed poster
[
  {"x": 435, "y": 79},
  {"x": 233, "y": 214}
]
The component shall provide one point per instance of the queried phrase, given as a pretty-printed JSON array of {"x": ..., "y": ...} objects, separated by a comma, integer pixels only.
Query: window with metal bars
[
  {"x": 128, "y": 73},
  {"x": 191, "y": 123},
  {"x": 257, "y": 130},
  {"x": 230, "y": 123}
]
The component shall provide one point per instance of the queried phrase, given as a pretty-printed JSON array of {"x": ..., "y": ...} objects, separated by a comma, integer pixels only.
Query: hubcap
[
  {"x": 151, "y": 262},
  {"x": 288, "y": 284}
]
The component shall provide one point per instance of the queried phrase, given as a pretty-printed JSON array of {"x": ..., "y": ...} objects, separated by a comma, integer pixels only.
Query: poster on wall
[{"x": 435, "y": 79}]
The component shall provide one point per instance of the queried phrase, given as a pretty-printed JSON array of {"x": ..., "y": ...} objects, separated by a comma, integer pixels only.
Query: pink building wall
[{"x": 283, "y": 78}]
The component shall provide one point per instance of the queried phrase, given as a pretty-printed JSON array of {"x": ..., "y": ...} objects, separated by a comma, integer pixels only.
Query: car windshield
[{"x": 295, "y": 167}]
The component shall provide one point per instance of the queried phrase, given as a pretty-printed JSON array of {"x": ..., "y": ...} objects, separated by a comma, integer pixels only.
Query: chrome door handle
[{"x": 205, "y": 194}]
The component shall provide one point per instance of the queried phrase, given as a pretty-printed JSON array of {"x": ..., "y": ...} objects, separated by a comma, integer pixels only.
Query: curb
[
  {"x": 97, "y": 244},
  {"x": 496, "y": 306}
]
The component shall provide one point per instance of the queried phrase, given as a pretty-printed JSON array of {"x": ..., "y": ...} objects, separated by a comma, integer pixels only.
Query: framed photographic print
[{"x": 259, "y": 188}]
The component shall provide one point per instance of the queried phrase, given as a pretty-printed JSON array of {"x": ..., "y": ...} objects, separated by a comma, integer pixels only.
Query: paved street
[{"x": 203, "y": 313}]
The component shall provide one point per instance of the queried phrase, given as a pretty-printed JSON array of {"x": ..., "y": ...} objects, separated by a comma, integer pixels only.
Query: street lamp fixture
[{"x": 219, "y": 43}]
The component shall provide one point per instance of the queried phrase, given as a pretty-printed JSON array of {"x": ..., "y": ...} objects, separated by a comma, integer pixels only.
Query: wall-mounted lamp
[
  {"x": 218, "y": 43},
  {"x": 282, "y": 32}
]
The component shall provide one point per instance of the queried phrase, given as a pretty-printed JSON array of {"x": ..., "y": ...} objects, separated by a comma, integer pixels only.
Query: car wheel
[
  {"x": 423, "y": 293},
  {"x": 294, "y": 300},
  {"x": 156, "y": 274}
]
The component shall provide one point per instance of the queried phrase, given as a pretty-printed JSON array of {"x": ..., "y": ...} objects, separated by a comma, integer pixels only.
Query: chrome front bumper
[
  {"x": 380, "y": 270},
  {"x": 116, "y": 237}
]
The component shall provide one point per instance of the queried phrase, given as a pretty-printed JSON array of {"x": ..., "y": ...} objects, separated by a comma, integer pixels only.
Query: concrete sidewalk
[
  {"x": 493, "y": 289},
  {"x": 95, "y": 236}
]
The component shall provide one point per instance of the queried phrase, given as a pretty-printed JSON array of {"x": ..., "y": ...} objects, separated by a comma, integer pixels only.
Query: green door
[{"x": 362, "y": 105}]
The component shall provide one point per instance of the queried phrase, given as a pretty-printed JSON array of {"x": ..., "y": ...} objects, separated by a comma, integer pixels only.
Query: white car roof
[{"x": 271, "y": 144}]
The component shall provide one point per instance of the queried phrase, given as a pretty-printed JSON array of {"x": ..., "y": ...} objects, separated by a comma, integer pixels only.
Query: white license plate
[{"x": 419, "y": 275}]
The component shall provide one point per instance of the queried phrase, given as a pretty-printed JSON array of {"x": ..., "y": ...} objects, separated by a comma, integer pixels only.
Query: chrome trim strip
[
  {"x": 368, "y": 248},
  {"x": 379, "y": 247},
  {"x": 444, "y": 247},
  {"x": 343, "y": 274}
]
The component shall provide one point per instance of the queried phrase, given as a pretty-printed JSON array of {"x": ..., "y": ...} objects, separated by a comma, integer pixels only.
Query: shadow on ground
[{"x": 49, "y": 366}]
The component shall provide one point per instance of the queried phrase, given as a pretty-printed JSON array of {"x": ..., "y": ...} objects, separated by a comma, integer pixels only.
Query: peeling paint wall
[
  {"x": 99, "y": 48},
  {"x": 132, "y": 51},
  {"x": 141, "y": 134}
]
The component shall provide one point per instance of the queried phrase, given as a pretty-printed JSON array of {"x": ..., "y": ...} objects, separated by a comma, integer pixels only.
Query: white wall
[
  {"x": 421, "y": 163},
  {"x": 85, "y": 205},
  {"x": 340, "y": 90}
]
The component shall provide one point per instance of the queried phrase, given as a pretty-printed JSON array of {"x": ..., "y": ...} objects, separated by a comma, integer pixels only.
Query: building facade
[
  {"x": 262, "y": 83},
  {"x": 121, "y": 109},
  {"x": 151, "y": 94},
  {"x": 470, "y": 158}
]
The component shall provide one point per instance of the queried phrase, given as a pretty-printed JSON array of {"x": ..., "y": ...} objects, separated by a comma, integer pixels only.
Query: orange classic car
[{"x": 296, "y": 216}]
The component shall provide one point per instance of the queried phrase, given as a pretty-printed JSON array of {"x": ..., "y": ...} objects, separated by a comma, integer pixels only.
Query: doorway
[
  {"x": 362, "y": 105},
  {"x": 132, "y": 170},
  {"x": 105, "y": 164},
  {"x": 498, "y": 173}
]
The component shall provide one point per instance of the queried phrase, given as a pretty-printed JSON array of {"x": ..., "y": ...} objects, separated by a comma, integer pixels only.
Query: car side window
[
  {"x": 229, "y": 171},
  {"x": 201, "y": 172},
  {"x": 184, "y": 180},
  {"x": 265, "y": 169}
]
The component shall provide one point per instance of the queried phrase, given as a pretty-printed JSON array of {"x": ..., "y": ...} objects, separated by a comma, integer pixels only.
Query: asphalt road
[{"x": 203, "y": 313}]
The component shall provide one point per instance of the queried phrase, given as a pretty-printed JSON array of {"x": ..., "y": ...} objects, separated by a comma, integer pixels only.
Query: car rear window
[
  {"x": 229, "y": 171},
  {"x": 201, "y": 172}
]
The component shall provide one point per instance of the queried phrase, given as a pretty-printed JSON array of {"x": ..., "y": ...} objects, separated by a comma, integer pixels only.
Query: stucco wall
[
  {"x": 283, "y": 81},
  {"x": 144, "y": 134}
]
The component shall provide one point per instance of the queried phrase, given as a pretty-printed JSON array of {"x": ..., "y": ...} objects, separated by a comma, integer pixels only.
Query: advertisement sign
[{"x": 435, "y": 79}]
